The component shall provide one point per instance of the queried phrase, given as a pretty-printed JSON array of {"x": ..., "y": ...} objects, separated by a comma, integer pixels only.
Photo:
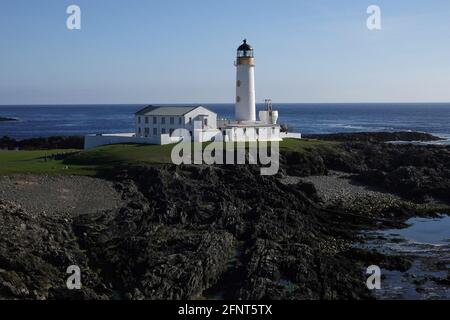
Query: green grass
[
  {"x": 307, "y": 145},
  {"x": 123, "y": 154},
  {"x": 34, "y": 162},
  {"x": 88, "y": 162}
]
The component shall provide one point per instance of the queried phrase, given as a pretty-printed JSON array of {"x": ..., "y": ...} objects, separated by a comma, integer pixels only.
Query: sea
[{"x": 68, "y": 120}]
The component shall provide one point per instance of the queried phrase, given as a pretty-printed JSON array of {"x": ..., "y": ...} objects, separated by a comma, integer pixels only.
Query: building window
[
  {"x": 238, "y": 83},
  {"x": 139, "y": 119},
  {"x": 238, "y": 99},
  {"x": 190, "y": 120},
  {"x": 163, "y": 120},
  {"x": 172, "y": 120},
  {"x": 146, "y": 119},
  {"x": 155, "y": 131},
  {"x": 206, "y": 121},
  {"x": 163, "y": 130},
  {"x": 154, "y": 120},
  {"x": 147, "y": 132},
  {"x": 139, "y": 130},
  {"x": 179, "y": 120}
]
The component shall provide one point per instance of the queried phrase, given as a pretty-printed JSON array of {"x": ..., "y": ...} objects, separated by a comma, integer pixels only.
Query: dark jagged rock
[
  {"x": 417, "y": 172},
  {"x": 375, "y": 136},
  {"x": 303, "y": 164},
  {"x": 35, "y": 252},
  {"x": 175, "y": 238}
]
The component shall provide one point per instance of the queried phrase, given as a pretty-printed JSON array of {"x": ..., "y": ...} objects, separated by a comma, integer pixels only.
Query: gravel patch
[
  {"x": 74, "y": 195},
  {"x": 340, "y": 188}
]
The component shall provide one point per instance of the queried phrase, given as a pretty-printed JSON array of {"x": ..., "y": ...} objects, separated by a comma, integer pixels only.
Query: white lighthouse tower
[{"x": 245, "y": 109}]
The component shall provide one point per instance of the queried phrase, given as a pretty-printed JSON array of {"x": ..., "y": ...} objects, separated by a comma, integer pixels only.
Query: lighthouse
[{"x": 245, "y": 108}]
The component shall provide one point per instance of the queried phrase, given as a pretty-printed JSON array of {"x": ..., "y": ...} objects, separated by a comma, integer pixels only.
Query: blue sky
[{"x": 182, "y": 51}]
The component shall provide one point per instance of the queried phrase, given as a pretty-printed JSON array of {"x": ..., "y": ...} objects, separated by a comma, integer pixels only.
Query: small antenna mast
[{"x": 268, "y": 103}]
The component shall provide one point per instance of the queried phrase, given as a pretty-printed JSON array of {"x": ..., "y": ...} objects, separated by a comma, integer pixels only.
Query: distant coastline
[{"x": 6, "y": 119}]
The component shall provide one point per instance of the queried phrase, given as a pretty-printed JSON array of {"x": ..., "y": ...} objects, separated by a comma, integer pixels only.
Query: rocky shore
[
  {"x": 195, "y": 232},
  {"x": 375, "y": 136},
  {"x": 43, "y": 143}
]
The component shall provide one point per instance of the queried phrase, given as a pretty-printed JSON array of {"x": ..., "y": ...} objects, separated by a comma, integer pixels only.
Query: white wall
[
  {"x": 196, "y": 114},
  {"x": 93, "y": 141},
  {"x": 180, "y": 122},
  {"x": 292, "y": 135},
  {"x": 238, "y": 134}
]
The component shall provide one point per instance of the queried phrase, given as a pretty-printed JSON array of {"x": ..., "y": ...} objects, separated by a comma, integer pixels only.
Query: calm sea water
[{"x": 39, "y": 121}]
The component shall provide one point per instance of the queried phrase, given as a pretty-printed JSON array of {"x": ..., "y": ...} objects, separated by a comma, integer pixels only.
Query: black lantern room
[{"x": 245, "y": 50}]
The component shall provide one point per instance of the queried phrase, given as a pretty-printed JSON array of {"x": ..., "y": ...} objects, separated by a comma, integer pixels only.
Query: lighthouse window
[
  {"x": 238, "y": 99},
  {"x": 238, "y": 84}
]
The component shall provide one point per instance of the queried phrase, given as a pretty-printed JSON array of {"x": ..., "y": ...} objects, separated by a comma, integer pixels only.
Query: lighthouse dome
[
  {"x": 245, "y": 50},
  {"x": 245, "y": 46}
]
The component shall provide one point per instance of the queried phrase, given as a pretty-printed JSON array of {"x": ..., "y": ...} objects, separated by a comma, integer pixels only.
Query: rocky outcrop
[
  {"x": 175, "y": 238},
  {"x": 42, "y": 143},
  {"x": 417, "y": 172},
  {"x": 375, "y": 136},
  {"x": 35, "y": 252},
  {"x": 183, "y": 232}
]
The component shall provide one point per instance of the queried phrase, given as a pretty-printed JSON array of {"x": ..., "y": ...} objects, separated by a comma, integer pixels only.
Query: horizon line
[{"x": 211, "y": 103}]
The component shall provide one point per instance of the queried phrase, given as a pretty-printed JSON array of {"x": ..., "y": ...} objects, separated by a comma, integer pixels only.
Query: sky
[{"x": 182, "y": 51}]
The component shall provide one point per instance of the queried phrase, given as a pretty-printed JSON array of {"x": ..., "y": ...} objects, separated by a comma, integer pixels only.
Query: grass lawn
[
  {"x": 307, "y": 145},
  {"x": 34, "y": 162},
  {"x": 87, "y": 162},
  {"x": 120, "y": 154}
]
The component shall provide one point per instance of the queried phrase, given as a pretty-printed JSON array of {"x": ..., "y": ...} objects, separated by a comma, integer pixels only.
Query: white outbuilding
[{"x": 153, "y": 121}]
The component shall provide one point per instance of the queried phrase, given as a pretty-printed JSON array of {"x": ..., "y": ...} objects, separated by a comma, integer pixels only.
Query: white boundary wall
[
  {"x": 93, "y": 141},
  {"x": 284, "y": 135}
]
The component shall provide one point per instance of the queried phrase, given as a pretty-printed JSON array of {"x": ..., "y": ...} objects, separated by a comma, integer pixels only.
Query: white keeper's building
[{"x": 171, "y": 124}]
